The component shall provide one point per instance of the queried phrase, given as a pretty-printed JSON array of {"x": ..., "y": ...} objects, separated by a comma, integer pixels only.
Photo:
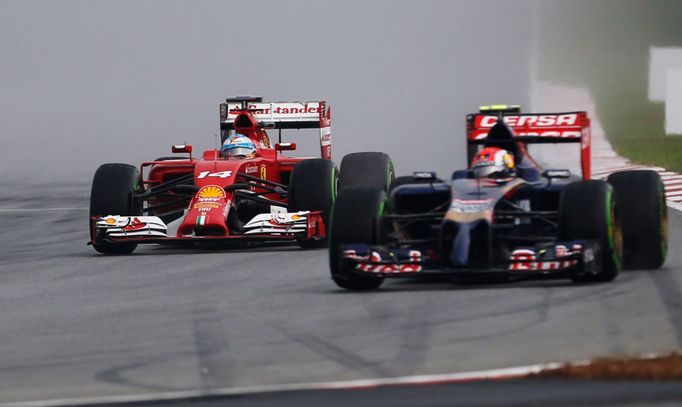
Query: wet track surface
[{"x": 77, "y": 324}]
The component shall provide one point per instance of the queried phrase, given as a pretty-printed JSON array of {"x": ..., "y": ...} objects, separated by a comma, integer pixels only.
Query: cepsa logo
[{"x": 545, "y": 120}]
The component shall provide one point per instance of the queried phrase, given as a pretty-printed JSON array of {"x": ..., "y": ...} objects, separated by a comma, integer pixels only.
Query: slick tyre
[
  {"x": 354, "y": 220},
  {"x": 589, "y": 211},
  {"x": 313, "y": 188},
  {"x": 112, "y": 194},
  {"x": 367, "y": 169},
  {"x": 644, "y": 217}
]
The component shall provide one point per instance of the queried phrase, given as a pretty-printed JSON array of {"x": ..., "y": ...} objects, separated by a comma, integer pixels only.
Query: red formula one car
[{"x": 263, "y": 196}]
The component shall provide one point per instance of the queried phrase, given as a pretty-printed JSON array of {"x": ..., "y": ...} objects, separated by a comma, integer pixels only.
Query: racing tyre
[
  {"x": 644, "y": 216},
  {"x": 368, "y": 169},
  {"x": 313, "y": 188},
  {"x": 354, "y": 221},
  {"x": 112, "y": 194},
  {"x": 589, "y": 210}
]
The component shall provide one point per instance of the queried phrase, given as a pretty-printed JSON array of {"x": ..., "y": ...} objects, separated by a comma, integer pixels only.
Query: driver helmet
[
  {"x": 238, "y": 146},
  {"x": 493, "y": 162}
]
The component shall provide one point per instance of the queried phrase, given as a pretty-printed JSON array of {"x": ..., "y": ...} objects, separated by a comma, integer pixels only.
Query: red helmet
[{"x": 493, "y": 162}]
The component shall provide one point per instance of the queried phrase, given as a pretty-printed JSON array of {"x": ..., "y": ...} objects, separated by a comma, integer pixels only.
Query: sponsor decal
[
  {"x": 277, "y": 109},
  {"x": 481, "y": 134},
  {"x": 135, "y": 224},
  {"x": 325, "y": 136},
  {"x": 472, "y": 206},
  {"x": 110, "y": 221},
  {"x": 546, "y": 120},
  {"x": 423, "y": 175},
  {"x": 263, "y": 172},
  {"x": 285, "y": 219},
  {"x": 251, "y": 169},
  {"x": 531, "y": 260},
  {"x": 558, "y": 173},
  {"x": 368, "y": 263},
  {"x": 206, "y": 206},
  {"x": 211, "y": 191},
  {"x": 220, "y": 174},
  {"x": 567, "y": 125}
]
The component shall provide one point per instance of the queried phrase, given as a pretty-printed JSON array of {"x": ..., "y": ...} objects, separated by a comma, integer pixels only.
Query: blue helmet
[{"x": 238, "y": 146}]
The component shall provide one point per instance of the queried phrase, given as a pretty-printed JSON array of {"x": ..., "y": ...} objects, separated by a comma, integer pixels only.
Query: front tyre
[
  {"x": 589, "y": 211},
  {"x": 112, "y": 194},
  {"x": 644, "y": 213},
  {"x": 354, "y": 220},
  {"x": 367, "y": 169},
  {"x": 313, "y": 188}
]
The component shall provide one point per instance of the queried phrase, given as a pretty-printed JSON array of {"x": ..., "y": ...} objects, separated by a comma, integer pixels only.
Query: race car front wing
[
  {"x": 114, "y": 229},
  {"x": 560, "y": 258}
]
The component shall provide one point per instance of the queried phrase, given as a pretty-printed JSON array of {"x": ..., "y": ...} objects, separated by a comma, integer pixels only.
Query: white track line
[
  {"x": 41, "y": 209},
  {"x": 493, "y": 374}
]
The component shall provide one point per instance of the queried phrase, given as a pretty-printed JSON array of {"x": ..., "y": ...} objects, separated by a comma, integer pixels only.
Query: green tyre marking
[
  {"x": 664, "y": 223},
  {"x": 611, "y": 230},
  {"x": 333, "y": 180},
  {"x": 389, "y": 172}
]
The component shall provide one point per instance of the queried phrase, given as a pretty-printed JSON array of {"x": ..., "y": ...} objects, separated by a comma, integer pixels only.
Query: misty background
[{"x": 88, "y": 82}]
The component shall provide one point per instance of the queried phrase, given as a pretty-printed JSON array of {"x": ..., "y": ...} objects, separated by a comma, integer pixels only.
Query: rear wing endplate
[{"x": 535, "y": 128}]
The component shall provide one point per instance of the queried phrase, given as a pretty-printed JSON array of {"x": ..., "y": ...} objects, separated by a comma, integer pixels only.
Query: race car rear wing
[
  {"x": 534, "y": 128},
  {"x": 280, "y": 115}
]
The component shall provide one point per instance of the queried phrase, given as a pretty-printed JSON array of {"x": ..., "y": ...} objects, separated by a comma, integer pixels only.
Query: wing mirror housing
[
  {"x": 285, "y": 146},
  {"x": 182, "y": 148}
]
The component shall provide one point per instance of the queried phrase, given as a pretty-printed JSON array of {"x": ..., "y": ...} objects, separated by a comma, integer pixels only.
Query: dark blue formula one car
[{"x": 504, "y": 215}]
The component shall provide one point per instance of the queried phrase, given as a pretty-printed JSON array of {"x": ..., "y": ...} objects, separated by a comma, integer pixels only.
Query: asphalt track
[{"x": 78, "y": 324}]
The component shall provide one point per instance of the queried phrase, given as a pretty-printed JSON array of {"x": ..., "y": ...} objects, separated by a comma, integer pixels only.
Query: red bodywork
[{"x": 215, "y": 170}]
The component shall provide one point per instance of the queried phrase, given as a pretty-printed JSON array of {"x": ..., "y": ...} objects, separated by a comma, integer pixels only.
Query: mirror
[
  {"x": 182, "y": 148},
  {"x": 285, "y": 146}
]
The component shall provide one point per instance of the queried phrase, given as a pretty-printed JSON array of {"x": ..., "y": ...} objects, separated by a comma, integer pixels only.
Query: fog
[{"x": 88, "y": 82}]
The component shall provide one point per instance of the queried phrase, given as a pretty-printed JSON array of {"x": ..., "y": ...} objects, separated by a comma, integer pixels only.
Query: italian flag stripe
[{"x": 201, "y": 219}]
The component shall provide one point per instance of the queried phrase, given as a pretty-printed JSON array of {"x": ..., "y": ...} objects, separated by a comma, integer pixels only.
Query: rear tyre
[
  {"x": 588, "y": 210},
  {"x": 354, "y": 221},
  {"x": 367, "y": 169},
  {"x": 312, "y": 187},
  {"x": 112, "y": 194},
  {"x": 644, "y": 214}
]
